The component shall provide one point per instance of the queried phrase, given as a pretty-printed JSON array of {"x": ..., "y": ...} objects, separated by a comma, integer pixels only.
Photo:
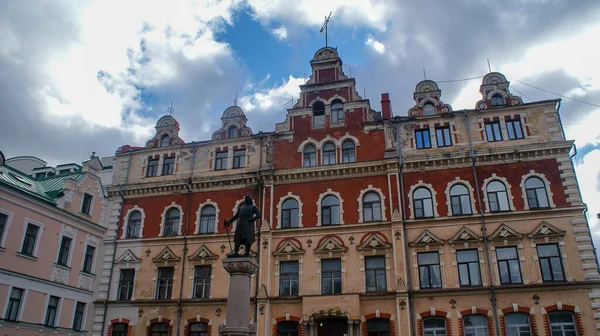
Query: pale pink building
[{"x": 50, "y": 245}]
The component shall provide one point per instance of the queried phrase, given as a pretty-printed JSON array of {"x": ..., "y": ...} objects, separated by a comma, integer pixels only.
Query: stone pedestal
[{"x": 237, "y": 321}]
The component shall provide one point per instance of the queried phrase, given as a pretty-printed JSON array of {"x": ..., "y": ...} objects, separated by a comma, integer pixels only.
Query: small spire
[
  {"x": 235, "y": 100},
  {"x": 170, "y": 109},
  {"x": 324, "y": 28}
]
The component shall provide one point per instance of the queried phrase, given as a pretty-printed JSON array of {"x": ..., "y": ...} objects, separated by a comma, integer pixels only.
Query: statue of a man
[{"x": 244, "y": 232}]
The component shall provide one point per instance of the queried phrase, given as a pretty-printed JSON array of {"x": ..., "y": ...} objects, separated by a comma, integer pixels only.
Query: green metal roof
[{"x": 48, "y": 189}]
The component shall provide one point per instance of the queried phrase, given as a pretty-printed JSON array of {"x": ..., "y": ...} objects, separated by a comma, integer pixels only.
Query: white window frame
[
  {"x": 542, "y": 177},
  {"x": 280, "y": 205},
  {"x": 83, "y": 318},
  {"x": 503, "y": 180},
  {"x": 58, "y": 311},
  {"x": 360, "y": 198},
  {"x": 457, "y": 180},
  {"x": 95, "y": 243},
  {"x": 163, "y": 217},
  {"x": 69, "y": 232},
  {"x": 90, "y": 192},
  {"x": 309, "y": 141},
  {"x": 126, "y": 220},
  {"x": 199, "y": 215},
  {"x": 341, "y": 205},
  {"x": 21, "y": 304},
  {"x": 433, "y": 198},
  {"x": 38, "y": 237},
  {"x": 9, "y": 216}
]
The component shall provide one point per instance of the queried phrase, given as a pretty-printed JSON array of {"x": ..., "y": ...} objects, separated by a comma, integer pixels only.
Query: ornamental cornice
[{"x": 360, "y": 169}]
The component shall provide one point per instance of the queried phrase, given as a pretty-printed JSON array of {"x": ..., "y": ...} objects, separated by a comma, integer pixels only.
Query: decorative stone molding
[
  {"x": 542, "y": 177},
  {"x": 240, "y": 265},
  {"x": 165, "y": 257},
  {"x": 374, "y": 241},
  {"x": 471, "y": 190},
  {"x": 426, "y": 238},
  {"x": 199, "y": 215},
  {"x": 505, "y": 233},
  {"x": 128, "y": 257},
  {"x": 340, "y": 200},
  {"x": 126, "y": 221},
  {"x": 496, "y": 83},
  {"x": 465, "y": 236},
  {"x": 429, "y": 187},
  {"x": 503, "y": 180},
  {"x": 330, "y": 244},
  {"x": 361, "y": 195},
  {"x": 60, "y": 274},
  {"x": 86, "y": 281},
  {"x": 288, "y": 247},
  {"x": 546, "y": 232},
  {"x": 280, "y": 205},
  {"x": 203, "y": 255}
]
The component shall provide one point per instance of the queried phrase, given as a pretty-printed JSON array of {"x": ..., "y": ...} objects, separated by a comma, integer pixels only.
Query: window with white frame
[
  {"x": 64, "y": 251},
  {"x": 509, "y": 267},
  {"x": 330, "y": 211},
  {"x": 348, "y": 151},
  {"x": 288, "y": 278},
  {"x": 86, "y": 204},
  {"x": 331, "y": 276},
  {"x": 434, "y": 326},
  {"x": 562, "y": 323},
  {"x": 337, "y": 111},
  {"x": 29, "y": 240},
  {"x": 202, "y": 276},
  {"x": 422, "y": 203},
  {"x": 125, "y": 289},
  {"x": 371, "y": 207},
  {"x": 497, "y": 196},
  {"x": 328, "y": 153},
  {"x": 468, "y": 268},
  {"x": 378, "y": 327},
  {"x": 310, "y": 156},
  {"x": 88, "y": 259},
  {"x": 171, "y": 225},
  {"x": 517, "y": 324},
  {"x": 51, "y": 311},
  {"x": 164, "y": 282},
  {"x": 375, "y": 273},
  {"x": 134, "y": 224},
  {"x": 198, "y": 329},
  {"x": 221, "y": 160},
  {"x": 290, "y": 213},
  {"x": 550, "y": 262},
  {"x": 78, "y": 318},
  {"x": 239, "y": 158},
  {"x": 14, "y": 304},
  {"x": 475, "y": 325},
  {"x": 429, "y": 269},
  {"x": 460, "y": 200},
  {"x": 537, "y": 196},
  {"x": 3, "y": 227},
  {"x": 207, "y": 219},
  {"x": 318, "y": 114}
]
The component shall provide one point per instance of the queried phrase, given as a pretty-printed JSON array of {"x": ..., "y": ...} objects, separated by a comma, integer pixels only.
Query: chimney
[{"x": 386, "y": 106}]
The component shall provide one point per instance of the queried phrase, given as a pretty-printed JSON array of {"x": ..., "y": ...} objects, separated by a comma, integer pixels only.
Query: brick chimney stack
[{"x": 386, "y": 106}]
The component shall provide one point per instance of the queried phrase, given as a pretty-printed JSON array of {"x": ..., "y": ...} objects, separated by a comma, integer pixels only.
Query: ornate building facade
[{"x": 441, "y": 222}]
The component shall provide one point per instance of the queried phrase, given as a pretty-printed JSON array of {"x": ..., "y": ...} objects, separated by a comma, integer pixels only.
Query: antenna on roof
[
  {"x": 170, "y": 109},
  {"x": 235, "y": 100},
  {"x": 424, "y": 74},
  {"x": 350, "y": 70},
  {"x": 325, "y": 27},
  {"x": 291, "y": 101},
  {"x": 364, "y": 92},
  {"x": 489, "y": 67}
]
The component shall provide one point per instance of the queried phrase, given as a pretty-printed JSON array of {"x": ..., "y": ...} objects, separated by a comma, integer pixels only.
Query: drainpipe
[
  {"x": 185, "y": 232},
  {"x": 482, "y": 221},
  {"x": 411, "y": 305},
  {"x": 112, "y": 264},
  {"x": 260, "y": 185}
]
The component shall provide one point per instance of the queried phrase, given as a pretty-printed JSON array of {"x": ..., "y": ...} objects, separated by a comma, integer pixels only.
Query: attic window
[
  {"x": 497, "y": 100},
  {"x": 319, "y": 114},
  {"x": 164, "y": 141},
  {"x": 428, "y": 109},
  {"x": 232, "y": 132}
]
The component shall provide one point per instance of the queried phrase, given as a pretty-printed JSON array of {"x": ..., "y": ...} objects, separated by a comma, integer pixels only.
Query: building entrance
[{"x": 332, "y": 327}]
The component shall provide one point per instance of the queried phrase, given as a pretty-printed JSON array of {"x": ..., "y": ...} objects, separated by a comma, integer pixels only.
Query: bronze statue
[{"x": 246, "y": 214}]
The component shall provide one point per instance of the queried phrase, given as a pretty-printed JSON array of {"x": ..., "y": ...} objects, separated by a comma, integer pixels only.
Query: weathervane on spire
[
  {"x": 235, "y": 100},
  {"x": 325, "y": 27},
  {"x": 170, "y": 109}
]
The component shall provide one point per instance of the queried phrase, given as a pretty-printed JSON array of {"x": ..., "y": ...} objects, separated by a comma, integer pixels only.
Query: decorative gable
[
  {"x": 166, "y": 256},
  {"x": 504, "y": 232},
  {"x": 331, "y": 244},
  {"x": 373, "y": 240},
  {"x": 545, "y": 231},
  {"x": 426, "y": 238},
  {"x": 464, "y": 235},
  {"x": 167, "y": 131},
  {"x": 289, "y": 246},
  {"x": 127, "y": 257},
  {"x": 203, "y": 254}
]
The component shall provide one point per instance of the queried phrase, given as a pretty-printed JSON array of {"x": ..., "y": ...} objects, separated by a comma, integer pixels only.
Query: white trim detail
[
  {"x": 164, "y": 214},
  {"x": 507, "y": 185},
  {"x": 38, "y": 237},
  {"x": 280, "y": 204},
  {"x": 451, "y": 184},
  {"x": 434, "y": 202},
  {"x": 322, "y": 143},
  {"x": 340, "y": 200},
  {"x": 542, "y": 177},
  {"x": 126, "y": 220},
  {"x": 9, "y": 216},
  {"x": 361, "y": 195},
  {"x": 199, "y": 212}
]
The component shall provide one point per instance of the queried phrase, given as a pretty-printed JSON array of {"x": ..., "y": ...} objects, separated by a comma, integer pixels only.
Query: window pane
[{"x": 466, "y": 256}]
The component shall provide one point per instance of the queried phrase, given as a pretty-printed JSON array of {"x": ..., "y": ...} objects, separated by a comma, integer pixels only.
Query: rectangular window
[
  {"x": 168, "y": 166},
  {"x": 423, "y": 139},
  {"x": 221, "y": 160},
  {"x": 288, "y": 278},
  {"x": 239, "y": 158},
  {"x": 152, "y": 169},
  {"x": 331, "y": 274},
  {"x": 126, "y": 284},
  {"x": 429, "y": 270},
  {"x": 29, "y": 241},
  {"x": 3, "y": 220},
  {"x": 443, "y": 136},
  {"x": 51, "y": 311},
  {"x": 514, "y": 129},
  {"x": 164, "y": 283},
  {"x": 88, "y": 259},
  {"x": 468, "y": 268},
  {"x": 492, "y": 131},
  {"x": 65, "y": 248},
  {"x": 86, "y": 205},
  {"x": 202, "y": 282},
  {"x": 14, "y": 304},
  {"x": 375, "y": 273},
  {"x": 78, "y": 319},
  {"x": 508, "y": 265},
  {"x": 40, "y": 175},
  {"x": 550, "y": 263}
]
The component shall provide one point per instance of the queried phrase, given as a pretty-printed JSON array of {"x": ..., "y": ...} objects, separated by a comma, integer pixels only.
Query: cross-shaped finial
[
  {"x": 170, "y": 109},
  {"x": 325, "y": 27}
]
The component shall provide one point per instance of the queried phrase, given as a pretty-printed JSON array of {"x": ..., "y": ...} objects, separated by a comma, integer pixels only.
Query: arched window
[
  {"x": 134, "y": 223},
  {"x": 378, "y": 327},
  {"x": 318, "y": 114},
  {"x": 119, "y": 329},
  {"x": 164, "y": 141},
  {"x": 562, "y": 323},
  {"x": 171, "y": 226},
  {"x": 537, "y": 197},
  {"x": 371, "y": 207},
  {"x": 207, "y": 219},
  {"x": 428, "y": 109},
  {"x": 497, "y": 100},
  {"x": 329, "y": 153},
  {"x": 289, "y": 213},
  {"x": 475, "y": 325},
  {"x": 337, "y": 111},
  {"x": 159, "y": 329},
  {"x": 310, "y": 156},
  {"x": 517, "y": 324},
  {"x": 497, "y": 196},
  {"x": 232, "y": 132},
  {"x": 198, "y": 329},
  {"x": 330, "y": 211},
  {"x": 422, "y": 203},
  {"x": 287, "y": 328},
  {"x": 460, "y": 200},
  {"x": 348, "y": 151},
  {"x": 434, "y": 326}
]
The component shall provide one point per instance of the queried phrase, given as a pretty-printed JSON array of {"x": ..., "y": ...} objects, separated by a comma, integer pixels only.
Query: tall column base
[{"x": 237, "y": 322}]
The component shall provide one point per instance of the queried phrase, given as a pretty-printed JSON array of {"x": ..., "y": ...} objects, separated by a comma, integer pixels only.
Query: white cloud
[
  {"x": 280, "y": 33},
  {"x": 374, "y": 44},
  {"x": 271, "y": 100}
]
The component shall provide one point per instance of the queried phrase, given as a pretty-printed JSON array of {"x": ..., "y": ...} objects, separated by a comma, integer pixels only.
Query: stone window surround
[
  {"x": 458, "y": 180},
  {"x": 161, "y": 159},
  {"x": 117, "y": 276},
  {"x": 433, "y": 196},
  {"x": 563, "y": 255},
  {"x": 59, "y": 307},
  {"x": 155, "y": 268},
  {"x": 289, "y": 257},
  {"x": 164, "y": 215},
  {"x": 360, "y": 198},
  {"x": 503, "y": 180},
  {"x": 439, "y": 248},
  {"x": 70, "y": 232},
  {"x": 84, "y": 316},
  {"x": 195, "y": 262},
  {"x": 515, "y": 308},
  {"x": 480, "y": 255},
  {"x": 363, "y": 268},
  {"x": 22, "y": 302},
  {"x": 542, "y": 177},
  {"x": 327, "y": 104},
  {"x": 38, "y": 238},
  {"x": 90, "y": 191},
  {"x": 199, "y": 215},
  {"x": 9, "y": 216},
  {"x": 95, "y": 243},
  {"x": 309, "y": 141},
  {"x": 521, "y": 257},
  {"x": 338, "y": 145},
  {"x": 280, "y": 205},
  {"x": 341, "y": 205},
  {"x": 126, "y": 220}
]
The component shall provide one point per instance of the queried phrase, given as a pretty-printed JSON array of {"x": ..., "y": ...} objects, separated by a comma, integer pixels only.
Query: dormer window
[
  {"x": 164, "y": 141},
  {"x": 337, "y": 111},
  {"x": 318, "y": 114},
  {"x": 428, "y": 109},
  {"x": 232, "y": 132},
  {"x": 497, "y": 100}
]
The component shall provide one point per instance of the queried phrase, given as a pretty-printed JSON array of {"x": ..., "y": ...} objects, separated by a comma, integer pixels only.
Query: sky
[{"x": 83, "y": 76}]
